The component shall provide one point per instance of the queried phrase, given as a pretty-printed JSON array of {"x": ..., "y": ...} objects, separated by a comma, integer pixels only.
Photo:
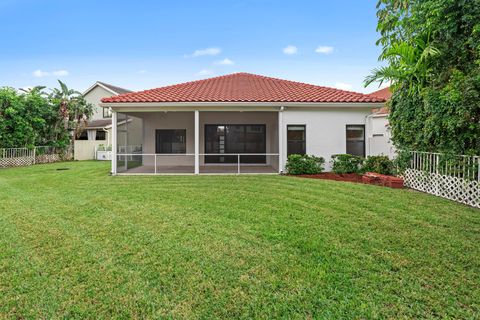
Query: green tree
[
  {"x": 431, "y": 49},
  {"x": 30, "y": 117},
  {"x": 73, "y": 110}
]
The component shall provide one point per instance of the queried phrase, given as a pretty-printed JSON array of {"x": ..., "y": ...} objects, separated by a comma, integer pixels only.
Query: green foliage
[
  {"x": 304, "y": 164},
  {"x": 31, "y": 117},
  {"x": 432, "y": 51},
  {"x": 379, "y": 164},
  {"x": 346, "y": 163}
]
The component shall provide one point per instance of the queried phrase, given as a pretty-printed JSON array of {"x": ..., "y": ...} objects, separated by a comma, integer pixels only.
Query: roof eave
[{"x": 124, "y": 105}]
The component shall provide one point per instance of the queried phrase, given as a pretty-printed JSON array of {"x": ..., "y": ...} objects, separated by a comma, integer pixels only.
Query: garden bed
[{"x": 367, "y": 178}]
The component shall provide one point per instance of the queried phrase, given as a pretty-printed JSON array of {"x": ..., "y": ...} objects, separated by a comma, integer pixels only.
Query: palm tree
[
  {"x": 407, "y": 63},
  {"x": 73, "y": 109}
]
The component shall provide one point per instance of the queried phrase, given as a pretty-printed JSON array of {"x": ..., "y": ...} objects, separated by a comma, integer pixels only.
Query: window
[
  {"x": 356, "y": 140},
  {"x": 233, "y": 138},
  {"x": 83, "y": 135},
  {"x": 296, "y": 142},
  {"x": 170, "y": 141},
  {"x": 107, "y": 113},
  {"x": 100, "y": 135}
]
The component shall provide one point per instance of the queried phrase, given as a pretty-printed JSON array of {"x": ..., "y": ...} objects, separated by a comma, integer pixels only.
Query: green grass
[{"x": 82, "y": 244}]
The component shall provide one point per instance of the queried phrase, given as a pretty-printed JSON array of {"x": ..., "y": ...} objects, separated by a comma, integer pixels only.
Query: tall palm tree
[{"x": 73, "y": 109}]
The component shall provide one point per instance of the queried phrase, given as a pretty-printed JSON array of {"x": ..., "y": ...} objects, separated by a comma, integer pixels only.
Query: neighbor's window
[
  {"x": 100, "y": 135},
  {"x": 107, "y": 113},
  {"x": 296, "y": 138},
  {"x": 83, "y": 135},
  {"x": 356, "y": 140},
  {"x": 170, "y": 141}
]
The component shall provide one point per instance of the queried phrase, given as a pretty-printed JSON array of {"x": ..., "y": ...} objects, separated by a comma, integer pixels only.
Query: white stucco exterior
[
  {"x": 325, "y": 129},
  {"x": 379, "y": 136},
  {"x": 94, "y": 96}
]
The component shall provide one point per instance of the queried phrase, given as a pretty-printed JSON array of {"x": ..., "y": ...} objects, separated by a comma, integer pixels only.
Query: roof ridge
[{"x": 259, "y": 88}]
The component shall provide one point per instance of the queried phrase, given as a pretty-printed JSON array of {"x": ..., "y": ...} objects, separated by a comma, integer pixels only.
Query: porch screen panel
[
  {"x": 170, "y": 141},
  {"x": 235, "y": 139}
]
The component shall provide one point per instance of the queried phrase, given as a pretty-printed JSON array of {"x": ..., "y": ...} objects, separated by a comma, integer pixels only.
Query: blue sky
[{"x": 145, "y": 44}]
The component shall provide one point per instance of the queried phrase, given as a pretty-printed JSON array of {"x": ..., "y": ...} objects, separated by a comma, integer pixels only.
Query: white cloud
[
  {"x": 324, "y": 49},
  {"x": 204, "y": 52},
  {"x": 205, "y": 72},
  {"x": 39, "y": 73},
  {"x": 57, "y": 73},
  {"x": 290, "y": 50},
  {"x": 343, "y": 86},
  {"x": 225, "y": 62},
  {"x": 142, "y": 71},
  {"x": 60, "y": 73}
]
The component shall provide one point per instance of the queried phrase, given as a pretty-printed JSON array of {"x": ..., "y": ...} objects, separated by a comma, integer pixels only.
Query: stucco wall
[
  {"x": 85, "y": 149},
  {"x": 379, "y": 137},
  {"x": 325, "y": 129},
  {"x": 94, "y": 97}
]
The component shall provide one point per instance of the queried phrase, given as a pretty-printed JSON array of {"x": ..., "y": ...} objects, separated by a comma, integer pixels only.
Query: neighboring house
[
  {"x": 98, "y": 129},
  {"x": 379, "y": 133},
  {"x": 238, "y": 123}
]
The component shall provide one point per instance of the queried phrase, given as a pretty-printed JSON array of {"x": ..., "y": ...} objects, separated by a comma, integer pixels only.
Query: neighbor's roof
[
  {"x": 101, "y": 123},
  {"x": 243, "y": 87},
  {"x": 384, "y": 93},
  {"x": 111, "y": 88}
]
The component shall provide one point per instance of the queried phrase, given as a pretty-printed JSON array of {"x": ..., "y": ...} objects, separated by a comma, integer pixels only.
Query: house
[
  {"x": 98, "y": 129},
  {"x": 379, "y": 132},
  {"x": 237, "y": 123}
]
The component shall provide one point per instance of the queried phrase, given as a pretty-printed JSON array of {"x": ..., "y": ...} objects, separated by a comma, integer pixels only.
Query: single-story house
[
  {"x": 237, "y": 123},
  {"x": 98, "y": 129}
]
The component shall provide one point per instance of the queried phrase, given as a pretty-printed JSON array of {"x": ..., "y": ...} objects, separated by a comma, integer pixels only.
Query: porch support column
[
  {"x": 280, "y": 140},
  {"x": 197, "y": 142},
  {"x": 114, "y": 142}
]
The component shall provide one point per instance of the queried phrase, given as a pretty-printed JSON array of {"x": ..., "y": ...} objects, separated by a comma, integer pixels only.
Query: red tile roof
[
  {"x": 384, "y": 93},
  {"x": 243, "y": 87}
]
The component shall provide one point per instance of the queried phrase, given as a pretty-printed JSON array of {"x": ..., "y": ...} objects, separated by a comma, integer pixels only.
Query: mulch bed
[
  {"x": 367, "y": 178},
  {"x": 349, "y": 177}
]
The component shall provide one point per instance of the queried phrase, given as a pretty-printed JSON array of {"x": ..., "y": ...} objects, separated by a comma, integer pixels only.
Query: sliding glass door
[{"x": 235, "y": 139}]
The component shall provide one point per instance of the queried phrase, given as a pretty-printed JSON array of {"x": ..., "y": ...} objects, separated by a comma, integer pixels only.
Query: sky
[{"x": 143, "y": 44}]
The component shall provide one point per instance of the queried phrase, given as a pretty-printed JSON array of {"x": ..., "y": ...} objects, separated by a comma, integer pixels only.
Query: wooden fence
[
  {"x": 454, "y": 177},
  {"x": 19, "y": 157}
]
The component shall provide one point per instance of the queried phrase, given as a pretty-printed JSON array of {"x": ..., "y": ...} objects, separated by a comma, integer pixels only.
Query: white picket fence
[
  {"x": 452, "y": 177},
  {"x": 19, "y": 157}
]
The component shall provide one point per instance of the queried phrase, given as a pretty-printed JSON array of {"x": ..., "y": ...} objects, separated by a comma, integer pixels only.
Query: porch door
[{"x": 230, "y": 138}]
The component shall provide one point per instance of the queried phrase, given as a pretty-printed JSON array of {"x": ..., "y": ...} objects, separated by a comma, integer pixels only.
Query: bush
[
  {"x": 379, "y": 164},
  {"x": 298, "y": 164},
  {"x": 346, "y": 163}
]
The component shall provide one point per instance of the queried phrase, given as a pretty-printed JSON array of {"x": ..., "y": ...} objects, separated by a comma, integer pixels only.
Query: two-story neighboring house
[{"x": 98, "y": 129}]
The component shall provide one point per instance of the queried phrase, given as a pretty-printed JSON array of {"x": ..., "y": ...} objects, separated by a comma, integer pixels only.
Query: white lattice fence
[
  {"x": 453, "y": 188},
  {"x": 456, "y": 178},
  {"x": 20, "y": 157}
]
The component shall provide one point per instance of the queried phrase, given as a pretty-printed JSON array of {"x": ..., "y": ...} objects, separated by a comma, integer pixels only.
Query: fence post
[
  {"x": 34, "y": 154},
  {"x": 238, "y": 164}
]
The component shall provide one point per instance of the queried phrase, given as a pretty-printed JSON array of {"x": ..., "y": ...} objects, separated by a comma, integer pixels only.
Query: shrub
[
  {"x": 346, "y": 163},
  {"x": 298, "y": 164},
  {"x": 379, "y": 164}
]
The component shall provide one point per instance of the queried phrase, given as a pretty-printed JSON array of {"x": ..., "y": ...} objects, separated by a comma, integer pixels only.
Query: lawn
[{"x": 79, "y": 243}]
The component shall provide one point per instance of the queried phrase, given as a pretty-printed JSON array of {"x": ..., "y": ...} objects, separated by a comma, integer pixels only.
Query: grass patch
[{"x": 80, "y": 243}]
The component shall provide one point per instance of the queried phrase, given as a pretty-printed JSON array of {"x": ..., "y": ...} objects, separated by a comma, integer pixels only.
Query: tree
[
  {"x": 432, "y": 53},
  {"x": 30, "y": 117},
  {"x": 73, "y": 110}
]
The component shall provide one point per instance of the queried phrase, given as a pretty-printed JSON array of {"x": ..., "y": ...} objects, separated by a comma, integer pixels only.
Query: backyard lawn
[{"x": 79, "y": 243}]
